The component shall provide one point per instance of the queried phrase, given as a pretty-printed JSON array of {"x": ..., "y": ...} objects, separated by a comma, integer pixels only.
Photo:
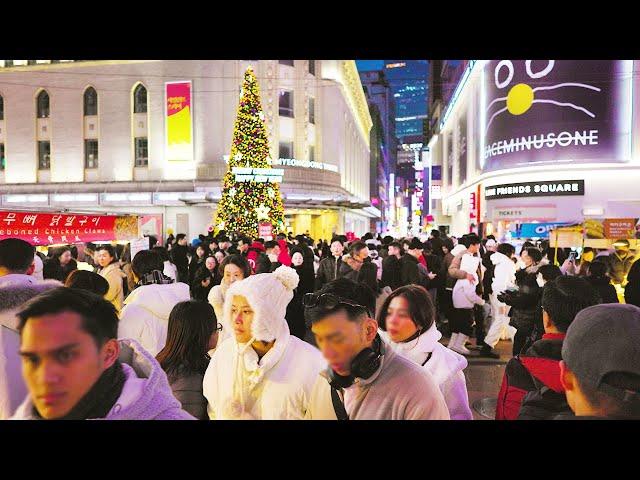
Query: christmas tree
[{"x": 247, "y": 202}]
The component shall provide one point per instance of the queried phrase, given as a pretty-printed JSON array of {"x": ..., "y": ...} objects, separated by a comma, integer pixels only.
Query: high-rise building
[
  {"x": 383, "y": 142},
  {"x": 408, "y": 80}
]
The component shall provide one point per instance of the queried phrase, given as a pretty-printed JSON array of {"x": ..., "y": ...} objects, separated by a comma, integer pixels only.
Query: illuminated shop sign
[
  {"x": 548, "y": 111},
  {"x": 535, "y": 189},
  {"x": 293, "y": 162},
  {"x": 260, "y": 175}
]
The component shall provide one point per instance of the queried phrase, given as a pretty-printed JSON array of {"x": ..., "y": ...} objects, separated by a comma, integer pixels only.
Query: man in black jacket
[
  {"x": 531, "y": 387},
  {"x": 329, "y": 267},
  {"x": 179, "y": 258},
  {"x": 391, "y": 267},
  {"x": 409, "y": 272}
]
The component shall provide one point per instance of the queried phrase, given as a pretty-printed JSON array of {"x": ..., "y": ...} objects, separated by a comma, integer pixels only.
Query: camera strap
[{"x": 338, "y": 406}]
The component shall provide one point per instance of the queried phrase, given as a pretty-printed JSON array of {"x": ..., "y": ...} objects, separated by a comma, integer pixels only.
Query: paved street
[{"x": 484, "y": 376}]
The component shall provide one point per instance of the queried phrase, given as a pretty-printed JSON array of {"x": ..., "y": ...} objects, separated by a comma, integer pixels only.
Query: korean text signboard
[
  {"x": 179, "y": 121},
  {"x": 52, "y": 228},
  {"x": 265, "y": 231}
]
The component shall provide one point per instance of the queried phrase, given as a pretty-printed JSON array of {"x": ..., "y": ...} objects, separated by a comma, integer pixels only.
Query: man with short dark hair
[
  {"x": 145, "y": 316},
  {"x": 75, "y": 369},
  {"x": 600, "y": 367},
  {"x": 179, "y": 257},
  {"x": 329, "y": 267},
  {"x": 17, "y": 285},
  {"x": 531, "y": 388},
  {"x": 352, "y": 263},
  {"x": 366, "y": 379},
  {"x": 273, "y": 252},
  {"x": 244, "y": 243}
]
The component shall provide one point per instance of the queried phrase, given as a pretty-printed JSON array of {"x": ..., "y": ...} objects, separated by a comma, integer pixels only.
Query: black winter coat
[
  {"x": 487, "y": 278},
  {"x": 409, "y": 273},
  {"x": 607, "y": 291},
  {"x": 391, "y": 275},
  {"x": 525, "y": 312},
  {"x": 179, "y": 258},
  {"x": 435, "y": 264},
  {"x": 295, "y": 309},
  {"x": 328, "y": 270}
]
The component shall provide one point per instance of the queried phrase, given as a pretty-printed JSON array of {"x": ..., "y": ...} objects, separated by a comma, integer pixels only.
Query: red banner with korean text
[{"x": 53, "y": 228}]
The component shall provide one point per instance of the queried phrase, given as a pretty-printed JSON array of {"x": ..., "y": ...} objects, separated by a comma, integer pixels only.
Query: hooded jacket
[
  {"x": 15, "y": 290},
  {"x": 504, "y": 273},
  {"x": 415, "y": 394},
  {"x": 453, "y": 270},
  {"x": 445, "y": 366},
  {"x": 531, "y": 388},
  {"x": 145, "y": 316},
  {"x": 464, "y": 291},
  {"x": 146, "y": 394},
  {"x": 238, "y": 385}
]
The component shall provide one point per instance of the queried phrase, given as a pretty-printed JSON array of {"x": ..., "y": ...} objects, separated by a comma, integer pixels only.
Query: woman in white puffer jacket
[
  {"x": 407, "y": 323},
  {"x": 504, "y": 278}
]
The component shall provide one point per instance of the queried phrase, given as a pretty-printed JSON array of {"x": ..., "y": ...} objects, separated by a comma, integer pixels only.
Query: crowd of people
[{"x": 233, "y": 327}]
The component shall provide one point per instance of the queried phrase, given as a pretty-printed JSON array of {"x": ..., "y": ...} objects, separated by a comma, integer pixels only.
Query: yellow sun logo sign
[{"x": 522, "y": 96}]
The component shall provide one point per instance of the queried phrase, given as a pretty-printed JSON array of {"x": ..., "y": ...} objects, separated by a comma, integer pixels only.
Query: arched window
[
  {"x": 90, "y": 101},
  {"x": 42, "y": 104},
  {"x": 140, "y": 99}
]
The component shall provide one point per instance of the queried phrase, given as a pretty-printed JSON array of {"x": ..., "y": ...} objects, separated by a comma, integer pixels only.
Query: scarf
[
  {"x": 154, "y": 277},
  {"x": 99, "y": 400}
]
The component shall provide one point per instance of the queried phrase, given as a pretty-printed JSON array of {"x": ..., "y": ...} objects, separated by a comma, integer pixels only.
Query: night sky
[{"x": 364, "y": 65}]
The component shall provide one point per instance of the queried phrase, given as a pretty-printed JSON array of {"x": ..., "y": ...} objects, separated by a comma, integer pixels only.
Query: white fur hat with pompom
[{"x": 268, "y": 294}]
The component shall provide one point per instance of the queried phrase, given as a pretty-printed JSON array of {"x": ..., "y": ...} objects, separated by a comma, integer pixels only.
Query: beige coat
[{"x": 114, "y": 276}]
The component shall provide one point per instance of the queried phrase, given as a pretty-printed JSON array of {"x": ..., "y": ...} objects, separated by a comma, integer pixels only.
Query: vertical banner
[
  {"x": 178, "y": 122},
  {"x": 461, "y": 143}
]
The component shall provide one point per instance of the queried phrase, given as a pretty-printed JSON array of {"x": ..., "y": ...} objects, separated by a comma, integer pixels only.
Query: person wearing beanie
[
  {"x": 464, "y": 299},
  {"x": 262, "y": 372},
  {"x": 600, "y": 367}
]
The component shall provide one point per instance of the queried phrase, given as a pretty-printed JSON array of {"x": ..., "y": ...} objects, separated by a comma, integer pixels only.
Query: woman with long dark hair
[
  {"x": 295, "y": 311},
  {"x": 193, "y": 331}
]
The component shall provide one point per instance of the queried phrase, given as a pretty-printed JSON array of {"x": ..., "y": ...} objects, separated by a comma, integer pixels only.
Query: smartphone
[{"x": 572, "y": 256}]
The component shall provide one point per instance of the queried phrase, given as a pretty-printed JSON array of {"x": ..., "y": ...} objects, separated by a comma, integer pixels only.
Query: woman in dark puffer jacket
[
  {"x": 602, "y": 283},
  {"x": 525, "y": 312}
]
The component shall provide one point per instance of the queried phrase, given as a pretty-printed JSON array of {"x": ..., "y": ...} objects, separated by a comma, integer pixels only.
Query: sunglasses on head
[{"x": 329, "y": 301}]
